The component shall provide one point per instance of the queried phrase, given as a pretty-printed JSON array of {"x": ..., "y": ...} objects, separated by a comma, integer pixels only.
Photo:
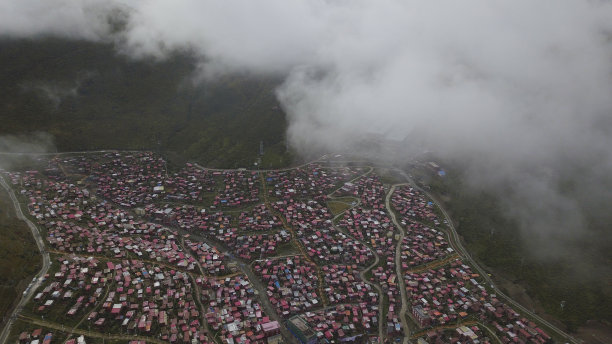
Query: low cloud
[
  {"x": 15, "y": 150},
  {"x": 83, "y": 19},
  {"x": 55, "y": 91},
  {"x": 520, "y": 88}
]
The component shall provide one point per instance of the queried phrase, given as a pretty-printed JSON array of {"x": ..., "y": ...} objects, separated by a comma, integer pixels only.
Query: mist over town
[{"x": 386, "y": 144}]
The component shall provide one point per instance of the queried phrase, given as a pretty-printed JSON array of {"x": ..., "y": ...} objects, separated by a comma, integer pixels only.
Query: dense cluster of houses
[
  {"x": 323, "y": 242},
  {"x": 343, "y": 323},
  {"x": 444, "y": 295},
  {"x": 369, "y": 189},
  {"x": 259, "y": 218},
  {"x": 130, "y": 180},
  {"x": 189, "y": 217},
  {"x": 422, "y": 245},
  {"x": 291, "y": 284},
  {"x": 240, "y": 188},
  {"x": 77, "y": 222},
  {"x": 190, "y": 184},
  {"x": 133, "y": 179},
  {"x": 374, "y": 227},
  {"x": 249, "y": 247},
  {"x": 471, "y": 334},
  {"x": 128, "y": 295},
  {"x": 343, "y": 285},
  {"x": 215, "y": 222},
  {"x": 309, "y": 182},
  {"x": 328, "y": 246},
  {"x": 117, "y": 224},
  {"x": 386, "y": 277},
  {"x": 144, "y": 299},
  {"x": 411, "y": 204},
  {"x": 454, "y": 293},
  {"x": 35, "y": 336},
  {"x": 75, "y": 287},
  {"x": 234, "y": 312},
  {"x": 210, "y": 260},
  {"x": 254, "y": 234}
]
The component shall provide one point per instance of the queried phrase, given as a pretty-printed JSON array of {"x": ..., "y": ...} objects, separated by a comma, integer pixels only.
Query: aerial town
[{"x": 140, "y": 252}]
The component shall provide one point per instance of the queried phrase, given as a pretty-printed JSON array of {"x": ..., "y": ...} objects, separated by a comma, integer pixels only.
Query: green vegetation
[
  {"x": 89, "y": 97},
  {"x": 19, "y": 256},
  {"x": 337, "y": 207},
  {"x": 579, "y": 279},
  {"x": 346, "y": 199},
  {"x": 286, "y": 249},
  {"x": 389, "y": 177}
]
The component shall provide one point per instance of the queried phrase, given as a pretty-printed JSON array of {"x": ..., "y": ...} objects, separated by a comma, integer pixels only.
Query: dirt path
[{"x": 93, "y": 334}]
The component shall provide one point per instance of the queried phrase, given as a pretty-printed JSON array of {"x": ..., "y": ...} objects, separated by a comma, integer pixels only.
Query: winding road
[
  {"x": 398, "y": 264},
  {"x": 37, "y": 279},
  {"x": 457, "y": 246}
]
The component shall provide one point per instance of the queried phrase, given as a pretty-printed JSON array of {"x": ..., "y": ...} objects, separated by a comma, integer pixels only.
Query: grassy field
[
  {"x": 389, "y": 177},
  {"x": 338, "y": 207},
  {"x": 19, "y": 256},
  {"x": 287, "y": 249}
]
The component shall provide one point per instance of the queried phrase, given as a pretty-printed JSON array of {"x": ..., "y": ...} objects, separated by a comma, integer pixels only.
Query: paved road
[
  {"x": 37, "y": 279},
  {"x": 381, "y": 327},
  {"x": 381, "y": 334},
  {"x": 265, "y": 302},
  {"x": 255, "y": 281},
  {"x": 381, "y": 296},
  {"x": 362, "y": 273},
  {"x": 398, "y": 265},
  {"x": 457, "y": 246}
]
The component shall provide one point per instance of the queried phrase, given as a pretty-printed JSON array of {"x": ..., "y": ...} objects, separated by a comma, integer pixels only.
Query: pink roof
[{"x": 270, "y": 326}]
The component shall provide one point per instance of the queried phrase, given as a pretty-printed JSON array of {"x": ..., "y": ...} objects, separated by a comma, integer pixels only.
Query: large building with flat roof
[{"x": 301, "y": 330}]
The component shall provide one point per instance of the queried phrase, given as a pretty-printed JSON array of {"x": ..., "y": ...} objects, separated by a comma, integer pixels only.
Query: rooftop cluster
[{"x": 142, "y": 252}]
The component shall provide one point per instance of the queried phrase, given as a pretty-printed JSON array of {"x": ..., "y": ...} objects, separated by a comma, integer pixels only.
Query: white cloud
[{"x": 518, "y": 86}]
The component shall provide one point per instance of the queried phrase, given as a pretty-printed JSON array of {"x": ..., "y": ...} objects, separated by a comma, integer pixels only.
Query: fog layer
[{"x": 521, "y": 88}]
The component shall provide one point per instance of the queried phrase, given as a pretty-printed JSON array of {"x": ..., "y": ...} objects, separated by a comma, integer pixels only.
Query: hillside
[
  {"x": 89, "y": 97},
  {"x": 19, "y": 256},
  {"x": 580, "y": 277}
]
